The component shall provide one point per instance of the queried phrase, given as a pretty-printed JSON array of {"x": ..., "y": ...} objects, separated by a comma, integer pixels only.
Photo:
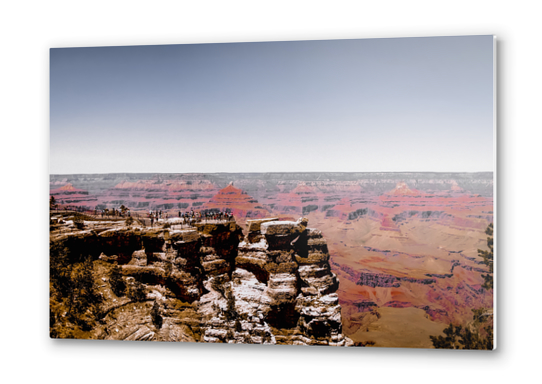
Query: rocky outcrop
[
  {"x": 210, "y": 283},
  {"x": 290, "y": 262}
]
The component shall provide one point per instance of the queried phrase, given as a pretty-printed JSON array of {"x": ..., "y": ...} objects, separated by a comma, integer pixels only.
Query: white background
[{"x": 29, "y": 29}]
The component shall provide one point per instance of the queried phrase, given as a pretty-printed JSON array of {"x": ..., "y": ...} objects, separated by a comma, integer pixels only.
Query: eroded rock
[{"x": 210, "y": 284}]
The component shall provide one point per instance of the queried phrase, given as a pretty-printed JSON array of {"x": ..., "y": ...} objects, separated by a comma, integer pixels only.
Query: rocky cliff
[{"x": 208, "y": 283}]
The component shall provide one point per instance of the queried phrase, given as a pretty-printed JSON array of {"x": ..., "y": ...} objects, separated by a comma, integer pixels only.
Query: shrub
[
  {"x": 168, "y": 268},
  {"x": 230, "y": 313},
  {"x": 488, "y": 258},
  {"x": 136, "y": 292},
  {"x": 79, "y": 223},
  {"x": 74, "y": 301},
  {"x": 117, "y": 282},
  {"x": 216, "y": 285},
  {"x": 156, "y": 317},
  {"x": 478, "y": 334},
  {"x": 238, "y": 327}
]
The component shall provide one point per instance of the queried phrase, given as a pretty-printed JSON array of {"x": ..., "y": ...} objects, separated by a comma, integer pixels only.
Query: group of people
[
  {"x": 193, "y": 217},
  {"x": 207, "y": 215},
  {"x": 157, "y": 215},
  {"x": 113, "y": 212}
]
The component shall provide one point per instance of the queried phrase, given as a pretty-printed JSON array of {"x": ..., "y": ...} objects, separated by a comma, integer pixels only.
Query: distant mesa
[
  {"x": 66, "y": 190},
  {"x": 236, "y": 201},
  {"x": 68, "y": 194},
  {"x": 455, "y": 187},
  {"x": 303, "y": 189},
  {"x": 402, "y": 189},
  {"x": 300, "y": 200},
  {"x": 67, "y": 187}
]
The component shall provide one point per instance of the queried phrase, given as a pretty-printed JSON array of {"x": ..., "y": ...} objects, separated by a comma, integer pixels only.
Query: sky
[{"x": 365, "y": 105}]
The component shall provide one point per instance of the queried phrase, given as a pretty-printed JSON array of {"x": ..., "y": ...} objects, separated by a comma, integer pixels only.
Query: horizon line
[{"x": 262, "y": 172}]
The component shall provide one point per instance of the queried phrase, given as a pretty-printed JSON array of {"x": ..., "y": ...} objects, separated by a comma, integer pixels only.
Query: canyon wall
[{"x": 209, "y": 283}]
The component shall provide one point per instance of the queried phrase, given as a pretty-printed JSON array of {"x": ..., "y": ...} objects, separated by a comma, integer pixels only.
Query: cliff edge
[{"x": 208, "y": 283}]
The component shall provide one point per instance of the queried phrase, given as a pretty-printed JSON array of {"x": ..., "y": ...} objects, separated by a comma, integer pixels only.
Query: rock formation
[
  {"x": 402, "y": 189},
  {"x": 236, "y": 201},
  {"x": 68, "y": 194},
  {"x": 207, "y": 283}
]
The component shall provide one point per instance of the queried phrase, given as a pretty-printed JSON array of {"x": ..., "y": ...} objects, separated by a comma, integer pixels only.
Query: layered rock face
[
  {"x": 210, "y": 283},
  {"x": 285, "y": 266}
]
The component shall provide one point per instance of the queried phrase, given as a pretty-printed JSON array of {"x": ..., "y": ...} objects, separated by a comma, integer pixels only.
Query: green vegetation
[
  {"x": 117, "y": 282},
  {"x": 123, "y": 209},
  {"x": 74, "y": 302},
  {"x": 156, "y": 317},
  {"x": 136, "y": 292},
  {"x": 488, "y": 258},
  {"x": 230, "y": 312},
  {"x": 477, "y": 334},
  {"x": 238, "y": 327},
  {"x": 78, "y": 222},
  {"x": 168, "y": 269},
  {"x": 52, "y": 203}
]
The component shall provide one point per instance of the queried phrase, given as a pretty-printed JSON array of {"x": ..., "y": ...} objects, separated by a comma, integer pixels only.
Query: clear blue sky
[{"x": 406, "y": 104}]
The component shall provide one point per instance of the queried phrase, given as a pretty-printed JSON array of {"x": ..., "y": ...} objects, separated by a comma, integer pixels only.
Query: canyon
[{"x": 400, "y": 260}]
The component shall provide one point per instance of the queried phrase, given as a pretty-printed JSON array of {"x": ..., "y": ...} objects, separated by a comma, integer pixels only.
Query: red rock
[{"x": 236, "y": 201}]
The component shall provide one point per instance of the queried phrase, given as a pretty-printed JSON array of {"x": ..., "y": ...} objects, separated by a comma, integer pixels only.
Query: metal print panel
[{"x": 336, "y": 193}]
